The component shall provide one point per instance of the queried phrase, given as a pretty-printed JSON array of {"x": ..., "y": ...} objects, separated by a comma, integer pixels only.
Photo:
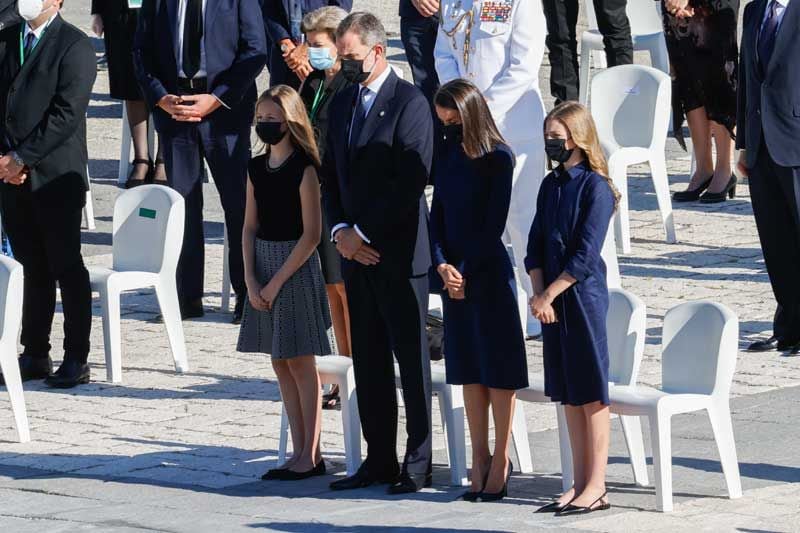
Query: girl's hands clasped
[
  {"x": 454, "y": 282},
  {"x": 254, "y": 295},
  {"x": 270, "y": 292},
  {"x": 542, "y": 309}
]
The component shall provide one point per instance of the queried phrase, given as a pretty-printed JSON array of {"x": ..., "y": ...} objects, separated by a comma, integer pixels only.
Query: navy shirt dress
[
  {"x": 573, "y": 212},
  {"x": 483, "y": 340}
]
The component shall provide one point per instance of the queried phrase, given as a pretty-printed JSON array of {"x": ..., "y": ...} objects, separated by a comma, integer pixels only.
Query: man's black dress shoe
[
  {"x": 70, "y": 374},
  {"x": 772, "y": 343},
  {"x": 238, "y": 311},
  {"x": 362, "y": 478},
  {"x": 409, "y": 483},
  {"x": 32, "y": 368},
  {"x": 795, "y": 350}
]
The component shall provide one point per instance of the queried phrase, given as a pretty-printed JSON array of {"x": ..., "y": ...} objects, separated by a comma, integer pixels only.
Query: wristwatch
[{"x": 17, "y": 159}]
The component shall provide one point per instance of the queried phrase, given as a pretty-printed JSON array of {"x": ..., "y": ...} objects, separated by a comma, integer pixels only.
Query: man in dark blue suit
[
  {"x": 288, "y": 57},
  {"x": 375, "y": 170},
  {"x": 768, "y": 132},
  {"x": 197, "y": 61}
]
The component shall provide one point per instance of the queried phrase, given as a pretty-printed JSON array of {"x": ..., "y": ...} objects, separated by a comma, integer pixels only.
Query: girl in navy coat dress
[
  {"x": 575, "y": 205},
  {"x": 484, "y": 345}
]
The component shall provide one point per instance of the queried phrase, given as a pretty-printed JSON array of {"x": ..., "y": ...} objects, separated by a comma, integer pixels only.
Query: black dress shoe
[
  {"x": 716, "y": 197},
  {"x": 291, "y": 475},
  {"x": 691, "y": 195},
  {"x": 238, "y": 311},
  {"x": 772, "y": 343},
  {"x": 572, "y": 510},
  {"x": 70, "y": 374},
  {"x": 362, "y": 478},
  {"x": 274, "y": 473},
  {"x": 795, "y": 350},
  {"x": 32, "y": 368},
  {"x": 497, "y": 496},
  {"x": 410, "y": 483},
  {"x": 553, "y": 507}
]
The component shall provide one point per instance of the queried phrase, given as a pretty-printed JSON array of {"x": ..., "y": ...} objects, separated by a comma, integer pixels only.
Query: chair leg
[
  {"x": 110, "y": 302},
  {"x": 283, "y": 438},
  {"x": 88, "y": 209},
  {"x": 661, "y": 437},
  {"x": 167, "y": 294},
  {"x": 351, "y": 425},
  {"x": 225, "y": 304},
  {"x": 565, "y": 448},
  {"x": 722, "y": 425},
  {"x": 10, "y": 368},
  {"x": 632, "y": 430},
  {"x": 443, "y": 418},
  {"x": 583, "y": 78},
  {"x": 658, "y": 169},
  {"x": 124, "y": 149},
  {"x": 622, "y": 224},
  {"x": 451, "y": 403},
  {"x": 519, "y": 437}
]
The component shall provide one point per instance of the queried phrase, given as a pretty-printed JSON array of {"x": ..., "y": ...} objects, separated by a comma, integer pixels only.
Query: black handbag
[{"x": 434, "y": 327}]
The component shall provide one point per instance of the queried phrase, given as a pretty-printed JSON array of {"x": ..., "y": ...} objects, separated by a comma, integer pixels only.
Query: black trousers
[
  {"x": 562, "y": 44},
  {"x": 227, "y": 155},
  {"x": 46, "y": 239},
  {"x": 385, "y": 321},
  {"x": 419, "y": 38},
  {"x": 775, "y": 192}
]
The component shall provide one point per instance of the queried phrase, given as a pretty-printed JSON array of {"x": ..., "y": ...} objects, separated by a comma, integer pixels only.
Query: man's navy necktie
[
  {"x": 192, "y": 37},
  {"x": 769, "y": 31},
  {"x": 359, "y": 116},
  {"x": 30, "y": 42}
]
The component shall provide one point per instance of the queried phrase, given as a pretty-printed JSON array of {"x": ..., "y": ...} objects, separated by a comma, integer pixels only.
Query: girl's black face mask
[
  {"x": 270, "y": 132},
  {"x": 453, "y": 133},
  {"x": 556, "y": 150}
]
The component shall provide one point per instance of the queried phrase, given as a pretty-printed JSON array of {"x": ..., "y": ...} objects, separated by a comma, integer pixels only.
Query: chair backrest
[
  {"x": 11, "y": 283},
  {"x": 148, "y": 229},
  {"x": 700, "y": 342},
  {"x": 643, "y": 15},
  {"x": 626, "y": 324},
  {"x": 631, "y": 104}
]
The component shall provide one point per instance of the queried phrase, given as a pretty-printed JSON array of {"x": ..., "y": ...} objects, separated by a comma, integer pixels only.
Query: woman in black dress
[
  {"x": 701, "y": 40},
  {"x": 116, "y": 22},
  {"x": 317, "y": 92}
]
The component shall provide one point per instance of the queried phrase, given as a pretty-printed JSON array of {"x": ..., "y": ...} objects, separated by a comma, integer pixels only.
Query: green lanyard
[
  {"x": 22, "y": 45},
  {"x": 318, "y": 97}
]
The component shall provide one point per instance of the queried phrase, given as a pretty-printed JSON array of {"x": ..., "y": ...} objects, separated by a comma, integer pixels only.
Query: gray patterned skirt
[{"x": 300, "y": 320}]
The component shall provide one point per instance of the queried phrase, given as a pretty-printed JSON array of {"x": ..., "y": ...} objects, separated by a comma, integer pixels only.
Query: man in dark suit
[
  {"x": 768, "y": 133},
  {"x": 47, "y": 69},
  {"x": 419, "y": 24},
  {"x": 375, "y": 170},
  {"x": 562, "y": 42},
  {"x": 287, "y": 55},
  {"x": 197, "y": 61}
]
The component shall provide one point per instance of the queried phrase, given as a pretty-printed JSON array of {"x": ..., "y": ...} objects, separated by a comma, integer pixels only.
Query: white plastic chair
[
  {"x": 451, "y": 409},
  {"x": 647, "y": 33},
  {"x": 11, "y": 287},
  {"x": 335, "y": 370},
  {"x": 626, "y": 325},
  {"x": 88, "y": 209},
  {"x": 225, "y": 302},
  {"x": 148, "y": 236},
  {"x": 630, "y": 106},
  {"x": 698, "y": 359}
]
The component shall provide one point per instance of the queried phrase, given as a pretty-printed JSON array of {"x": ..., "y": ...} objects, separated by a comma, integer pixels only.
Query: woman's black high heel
[
  {"x": 471, "y": 496},
  {"x": 571, "y": 510},
  {"x": 691, "y": 195},
  {"x": 716, "y": 197},
  {"x": 497, "y": 496},
  {"x": 131, "y": 183}
]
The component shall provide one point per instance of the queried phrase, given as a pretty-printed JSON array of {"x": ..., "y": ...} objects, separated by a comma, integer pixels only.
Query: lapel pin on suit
[{"x": 381, "y": 113}]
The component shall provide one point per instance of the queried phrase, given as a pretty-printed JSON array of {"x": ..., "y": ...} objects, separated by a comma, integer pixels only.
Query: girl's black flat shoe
[
  {"x": 716, "y": 197},
  {"x": 573, "y": 510},
  {"x": 274, "y": 473},
  {"x": 497, "y": 496},
  {"x": 691, "y": 195},
  {"x": 553, "y": 507},
  {"x": 291, "y": 475}
]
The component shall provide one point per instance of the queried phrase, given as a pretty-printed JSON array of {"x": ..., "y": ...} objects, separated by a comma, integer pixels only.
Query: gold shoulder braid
[{"x": 469, "y": 18}]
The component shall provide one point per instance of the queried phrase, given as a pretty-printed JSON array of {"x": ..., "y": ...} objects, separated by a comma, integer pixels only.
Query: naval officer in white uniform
[{"x": 499, "y": 45}]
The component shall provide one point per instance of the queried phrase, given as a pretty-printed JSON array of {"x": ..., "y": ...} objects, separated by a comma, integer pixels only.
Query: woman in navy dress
[
  {"x": 568, "y": 274},
  {"x": 483, "y": 342}
]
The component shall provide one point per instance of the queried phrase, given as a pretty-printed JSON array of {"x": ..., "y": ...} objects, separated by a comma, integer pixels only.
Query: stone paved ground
[{"x": 171, "y": 452}]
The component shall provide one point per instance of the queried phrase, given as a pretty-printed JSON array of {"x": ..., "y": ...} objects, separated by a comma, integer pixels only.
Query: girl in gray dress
[{"x": 287, "y": 315}]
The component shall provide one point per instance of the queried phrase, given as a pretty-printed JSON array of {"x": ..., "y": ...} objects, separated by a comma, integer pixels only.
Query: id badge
[{"x": 134, "y": 4}]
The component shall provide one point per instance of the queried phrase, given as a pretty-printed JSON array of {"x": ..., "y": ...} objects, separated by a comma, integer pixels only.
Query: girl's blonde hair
[
  {"x": 577, "y": 119},
  {"x": 294, "y": 112}
]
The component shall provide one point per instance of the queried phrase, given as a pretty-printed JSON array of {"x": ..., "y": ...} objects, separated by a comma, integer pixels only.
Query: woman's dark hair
[{"x": 481, "y": 135}]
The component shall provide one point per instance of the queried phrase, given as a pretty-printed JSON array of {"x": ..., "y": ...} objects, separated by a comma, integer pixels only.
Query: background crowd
[{"x": 513, "y": 250}]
